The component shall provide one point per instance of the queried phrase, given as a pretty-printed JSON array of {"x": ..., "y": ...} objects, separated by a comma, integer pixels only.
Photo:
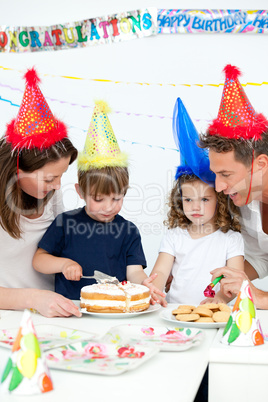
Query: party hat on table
[
  {"x": 237, "y": 117},
  {"x": 26, "y": 372},
  {"x": 194, "y": 160},
  {"x": 35, "y": 126},
  {"x": 101, "y": 147},
  {"x": 243, "y": 327}
]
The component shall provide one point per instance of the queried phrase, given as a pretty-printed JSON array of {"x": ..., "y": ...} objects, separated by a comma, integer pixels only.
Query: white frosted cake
[{"x": 109, "y": 298}]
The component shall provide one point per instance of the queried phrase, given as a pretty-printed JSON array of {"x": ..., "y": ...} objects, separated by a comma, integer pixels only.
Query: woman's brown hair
[
  {"x": 12, "y": 199},
  {"x": 226, "y": 216}
]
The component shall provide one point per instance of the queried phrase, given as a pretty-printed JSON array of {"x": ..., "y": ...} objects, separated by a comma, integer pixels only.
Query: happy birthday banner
[
  {"x": 114, "y": 28},
  {"x": 130, "y": 25},
  {"x": 212, "y": 21}
]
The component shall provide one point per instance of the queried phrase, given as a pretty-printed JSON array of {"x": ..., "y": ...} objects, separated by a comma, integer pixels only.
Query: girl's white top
[
  {"x": 195, "y": 258},
  {"x": 16, "y": 270}
]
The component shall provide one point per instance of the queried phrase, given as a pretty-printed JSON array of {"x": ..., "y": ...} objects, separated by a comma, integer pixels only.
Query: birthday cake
[{"x": 125, "y": 297}]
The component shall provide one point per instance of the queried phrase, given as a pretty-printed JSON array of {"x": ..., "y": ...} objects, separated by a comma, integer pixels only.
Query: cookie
[
  {"x": 211, "y": 306},
  {"x": 203, "y": 312},
  {"x": 187, "y": 306},
  {"x": 182, "y": 310},
  {"x": 224, "y": 307},
  {"x": 221, "y": 316},
  {"x": 205, "y": 319},
  {"x": 187, "y": 317}
]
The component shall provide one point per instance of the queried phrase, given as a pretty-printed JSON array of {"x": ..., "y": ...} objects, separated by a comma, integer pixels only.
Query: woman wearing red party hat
[
  {"x": 34, "y": 153},
  {"x": 238, "y": 151}
]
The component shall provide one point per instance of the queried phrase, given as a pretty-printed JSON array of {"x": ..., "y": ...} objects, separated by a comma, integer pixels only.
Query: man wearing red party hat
[{"x": 238, "y": 151}]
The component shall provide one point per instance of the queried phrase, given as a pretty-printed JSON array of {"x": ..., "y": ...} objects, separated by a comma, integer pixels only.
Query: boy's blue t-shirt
[{"x": 108, "y": 247}]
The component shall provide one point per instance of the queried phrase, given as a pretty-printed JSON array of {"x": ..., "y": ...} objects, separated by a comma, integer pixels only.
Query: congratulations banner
[
  {"x": 212, "y": 21},
  {"x": 113, "y": 28}
]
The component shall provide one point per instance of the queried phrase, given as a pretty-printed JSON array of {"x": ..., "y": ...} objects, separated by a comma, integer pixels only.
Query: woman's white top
[
  {"x": 256, "y": 241},
  {"x": 16, "y": 270},
  {"x": 195, "y": 258}
]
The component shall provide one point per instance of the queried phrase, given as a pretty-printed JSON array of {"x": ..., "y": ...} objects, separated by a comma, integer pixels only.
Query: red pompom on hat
[
  {"x": 236, "y": 117},
  {"x": 35, "y": 126}
]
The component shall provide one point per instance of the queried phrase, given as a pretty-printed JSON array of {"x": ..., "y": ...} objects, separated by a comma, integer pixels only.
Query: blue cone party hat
[{"x": 194, "y": 160}]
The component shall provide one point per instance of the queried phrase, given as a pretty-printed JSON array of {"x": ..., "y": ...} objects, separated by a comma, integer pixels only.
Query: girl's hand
[
  {"x": 155, "y": 298},
  {"x": 72, "y": 270},
  {"x": 156, "y": 295},
  {"x": 51, "y": 304}
]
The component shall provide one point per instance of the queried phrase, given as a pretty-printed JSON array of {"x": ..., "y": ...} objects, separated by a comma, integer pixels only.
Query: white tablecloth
[
  {"x": 173, "y": 376},
  {"x": 239, "y": 373}
]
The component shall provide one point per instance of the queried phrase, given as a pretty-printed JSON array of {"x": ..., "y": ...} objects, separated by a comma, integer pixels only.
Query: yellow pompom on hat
[{"x": 101, "y": 147}]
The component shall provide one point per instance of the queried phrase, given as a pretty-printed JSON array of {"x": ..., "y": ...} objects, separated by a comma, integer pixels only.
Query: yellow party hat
[
  {"x": 26, "y": 372},
  {"x": 101, "y": 148}
]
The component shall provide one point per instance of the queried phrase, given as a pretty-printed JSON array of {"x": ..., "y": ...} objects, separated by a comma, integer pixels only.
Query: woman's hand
[
  {"x": 51, "y": 304},
  {"x": 72, "y": 270}
]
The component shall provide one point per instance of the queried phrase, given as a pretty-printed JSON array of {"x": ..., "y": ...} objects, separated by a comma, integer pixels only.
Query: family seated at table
[{"x": 203, "y": 225}]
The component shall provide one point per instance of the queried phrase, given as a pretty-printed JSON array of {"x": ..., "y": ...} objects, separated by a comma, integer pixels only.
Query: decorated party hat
[
  {"x": 26, "y": 372},
  {"x": 35, "y": 126},
  {"x": 194, "y": 160},
  {"x": 237, "y": 117},
  {"x": 101, "y": 148},
  {"x": 243, "y": 327}
]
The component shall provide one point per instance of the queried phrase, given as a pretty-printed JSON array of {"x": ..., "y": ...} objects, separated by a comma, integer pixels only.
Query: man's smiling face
[{"x": 232, "y": 177}]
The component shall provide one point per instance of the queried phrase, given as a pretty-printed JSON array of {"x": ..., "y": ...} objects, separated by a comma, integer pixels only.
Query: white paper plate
[
  {"x": 167, "y": 315},
  {"x": 99, "y": 357},
  {"x": 167, "y": 339},
  {"x": 151, "y": 309},
  {"x": 49, "y": 336}
]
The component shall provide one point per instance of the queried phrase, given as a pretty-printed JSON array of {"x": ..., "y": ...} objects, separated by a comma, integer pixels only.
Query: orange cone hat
[
  {"x": 237, "y": 117},
  {"x": 243, "y": 327},
  {"x": 35, "y": 126},
  {"x": 26, "y": 371}
]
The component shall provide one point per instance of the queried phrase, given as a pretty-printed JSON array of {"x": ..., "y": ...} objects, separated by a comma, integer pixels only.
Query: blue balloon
[{"x": 193, "y": 159}]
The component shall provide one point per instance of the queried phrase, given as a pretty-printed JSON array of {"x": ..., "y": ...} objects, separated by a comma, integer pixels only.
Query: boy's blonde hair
[
  {"x": 226, "y": 215},
  {"x": 106, "y": 180}
]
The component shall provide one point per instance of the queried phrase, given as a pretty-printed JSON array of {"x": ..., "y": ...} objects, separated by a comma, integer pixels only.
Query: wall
[{"x": 145, "y": 77}]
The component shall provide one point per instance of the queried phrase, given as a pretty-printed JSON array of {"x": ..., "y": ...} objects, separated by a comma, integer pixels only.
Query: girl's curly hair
[{"x": 226, "y": 216}]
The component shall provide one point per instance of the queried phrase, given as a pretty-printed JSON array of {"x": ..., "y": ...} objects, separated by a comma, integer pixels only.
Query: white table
[
  {"x": 239, "y": 373},
  {"x": 172, "y": 376}
]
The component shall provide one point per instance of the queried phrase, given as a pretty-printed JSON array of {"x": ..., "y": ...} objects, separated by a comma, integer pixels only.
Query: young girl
[
  {"x": 95, "y": 237},
  {"x": 203, "y": 228},
  {"x": 202, "y": 235},
  {"x": 33, "y": 157}
]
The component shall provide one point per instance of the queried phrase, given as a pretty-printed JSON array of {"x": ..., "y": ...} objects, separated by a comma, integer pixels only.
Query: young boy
[{"x": 94, "y": 237}]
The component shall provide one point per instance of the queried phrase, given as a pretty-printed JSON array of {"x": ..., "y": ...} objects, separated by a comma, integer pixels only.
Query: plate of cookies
[{"x": 210, "y": 315}]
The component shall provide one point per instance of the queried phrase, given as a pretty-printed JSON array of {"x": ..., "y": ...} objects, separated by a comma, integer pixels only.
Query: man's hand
[{"x": 232, "y": 281}]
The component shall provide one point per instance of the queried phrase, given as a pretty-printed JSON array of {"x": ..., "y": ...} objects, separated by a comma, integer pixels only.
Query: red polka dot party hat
[
  {"x": 35, "y": 126},
  {"x": 237, "y": 117}
]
